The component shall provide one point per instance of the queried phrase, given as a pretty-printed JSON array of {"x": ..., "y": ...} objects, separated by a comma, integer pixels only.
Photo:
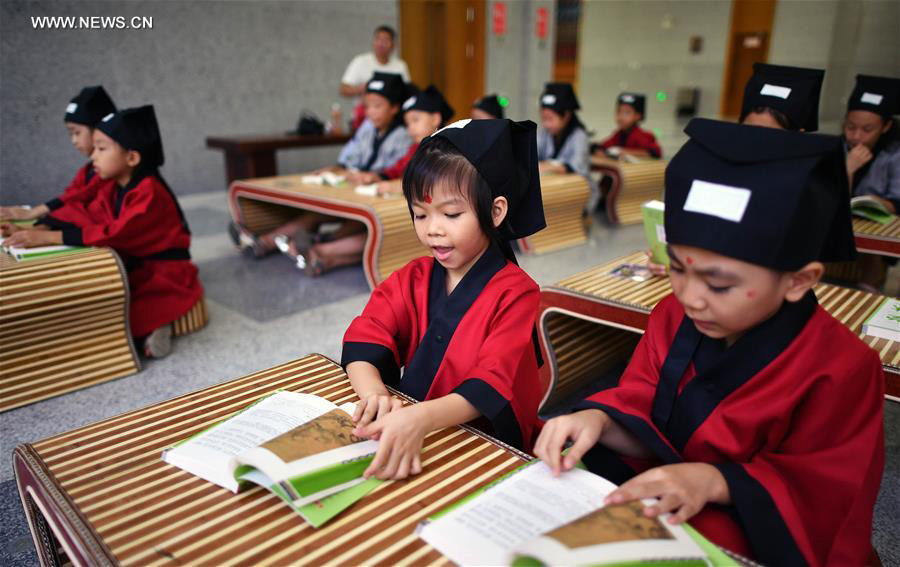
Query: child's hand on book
[
  {"x": 683, "y": 490},
  {"x": 373, "y": 406},
  {"x": 9, "y": 228},
  {"x": 583, "y": 428},
  {"x": 18, "y": 213},
  {"x": 400, "y": 435},
  {"x": 31, "y": 238}
]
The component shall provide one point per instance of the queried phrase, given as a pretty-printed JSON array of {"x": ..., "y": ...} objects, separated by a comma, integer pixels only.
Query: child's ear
[
  {"x": 133, "y": 158},
  {"x": 499, "y": 208},
  {"x": 803, "y": 280}
]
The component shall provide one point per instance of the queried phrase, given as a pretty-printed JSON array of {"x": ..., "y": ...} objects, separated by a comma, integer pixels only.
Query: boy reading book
[{"x": 746, "y": 407}]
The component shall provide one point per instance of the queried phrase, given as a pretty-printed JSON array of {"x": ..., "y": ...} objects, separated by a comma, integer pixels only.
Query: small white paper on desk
[
  {"x": 327, "y": 178},
  {"x": 370, "y": 190},
  {"x": 486, "y": 529}
]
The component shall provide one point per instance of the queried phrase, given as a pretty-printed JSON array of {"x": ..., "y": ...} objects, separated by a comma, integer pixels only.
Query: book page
[
  {"x": 486, "y": 529},
  {"x": 211, "y": 454}
]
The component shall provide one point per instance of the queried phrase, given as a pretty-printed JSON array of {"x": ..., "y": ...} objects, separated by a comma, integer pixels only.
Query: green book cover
[
  {"x": 868, "y": 208},
  {"x": 655, "y": 230}
]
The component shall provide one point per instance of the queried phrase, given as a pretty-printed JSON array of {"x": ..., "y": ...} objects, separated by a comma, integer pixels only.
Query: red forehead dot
[
  {"x": 751, "y": 294},
  {"x": 428, "y": 199},
  {"x": 690, "y": 260}
]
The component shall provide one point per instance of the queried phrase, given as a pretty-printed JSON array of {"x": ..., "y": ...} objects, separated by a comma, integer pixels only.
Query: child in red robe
[
  {"x": 746, "y": 408},
  {"x": 139, "y": 217},
  {"x": 83, "y": 113},
  {"x": 461, "y": 323},
  {"x": 630, "y": 138}
]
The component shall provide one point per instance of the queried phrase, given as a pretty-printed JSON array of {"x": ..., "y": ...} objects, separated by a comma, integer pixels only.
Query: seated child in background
[
  {"x": 82, "y": 115},
  {"x": 630, "y": 138},
  {"x": 562, "y": 141},
  {"x": 776, "y": 96},
  {"x": 873, "y": 157},
  {"x": 423, "y": 113},
  {"x": 376, "y": 145},
  {"x": 487, "y": 108},
  {"x": 727, "y": 412},
  {"x": 460, "y": 324},
  {"x": 139, "y": 217}
]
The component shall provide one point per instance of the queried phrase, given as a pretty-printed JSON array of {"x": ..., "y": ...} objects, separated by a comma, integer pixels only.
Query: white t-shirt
[{"x": 364, "y": 65}]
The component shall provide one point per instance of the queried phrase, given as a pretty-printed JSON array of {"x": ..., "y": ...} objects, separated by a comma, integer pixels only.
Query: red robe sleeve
[
  {"x": 386, "y": 331},
  {"x": 644, "y": 140},
  {"x": 147, "y": 223},
  {"x": 823, "y": 480},
  {"x": 502, "y": 384},
  {"x": 79, "y": 190},
  {"x": 396, "y": 170},
  {"x": 611, "y": 141},
  {"x": 631, "y": 402}
]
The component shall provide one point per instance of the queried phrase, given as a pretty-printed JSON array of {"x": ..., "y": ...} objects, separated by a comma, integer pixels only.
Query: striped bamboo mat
[
  {"x": 851, "y": 307},
  {"x": 124, "y": 505}
]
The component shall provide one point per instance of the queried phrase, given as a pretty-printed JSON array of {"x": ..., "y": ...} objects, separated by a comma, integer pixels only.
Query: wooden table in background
[
  {"x": 633, "y": 183},
  {"x": 591, "y": 320},
  {"x": 254, "y": 155},
  {"x": 101, "y": 494},
  {"x": 261, "y": 205},
  {"x": 876, "y": 238}
]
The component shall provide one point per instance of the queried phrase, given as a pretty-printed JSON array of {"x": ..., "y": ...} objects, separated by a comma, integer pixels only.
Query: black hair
[
  {"x": 781, "y": 118},
  {"x": 439, "y": 161},
  {"x": 388, "y": 30}
]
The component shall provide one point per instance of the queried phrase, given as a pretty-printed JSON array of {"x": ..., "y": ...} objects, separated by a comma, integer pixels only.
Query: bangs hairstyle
[
  {"x": 780, "y": 118},
  {"x": 439, "y": 162}
]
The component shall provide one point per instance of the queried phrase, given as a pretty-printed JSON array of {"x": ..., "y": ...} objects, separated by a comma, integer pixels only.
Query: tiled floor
[{"x": 266, "y": 312}]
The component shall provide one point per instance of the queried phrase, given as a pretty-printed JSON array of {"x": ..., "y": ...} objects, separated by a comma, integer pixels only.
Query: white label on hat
[
  {"x": 376, "y": 85},
  {"x": 775, "y": 90},
  {"x": 73, "y": 106},
  {"x": 627, "y": 98},
  {"x": 409, "y": 102},
  {"x": 108, "y": 117},
  {"x": 548, "y": 99},
  {"x": 458, "y": 124},
  {"x": 871, "y": 98},
  {"x": 723, "y": 201}
]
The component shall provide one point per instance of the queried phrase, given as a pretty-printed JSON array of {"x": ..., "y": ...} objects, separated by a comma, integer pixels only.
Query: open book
[
  {"x": 532, "y": 518},
  {"x": 884, "y": 322},
  {"x": 299, "y": 446},
  {"x": 867, "y": 207},
  {"x": 654, "y": 213},
  {"x": 326, "y": 178}
]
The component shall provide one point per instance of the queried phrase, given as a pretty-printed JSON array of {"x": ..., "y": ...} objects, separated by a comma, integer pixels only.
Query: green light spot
[
  {"x": 661, "y": 96},
  {"x": 504, "y": 102},
  {"x": 657, "y": 132}
]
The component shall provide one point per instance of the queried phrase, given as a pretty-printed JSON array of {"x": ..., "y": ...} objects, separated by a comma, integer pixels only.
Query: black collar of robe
[
  {"x": 719, "y": 371},
  {"x": 444, "y": 314}
]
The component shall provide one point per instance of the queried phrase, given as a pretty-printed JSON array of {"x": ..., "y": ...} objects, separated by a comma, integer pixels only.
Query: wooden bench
[
  {"x": 254, "y": 155},
  {"x": 632, "y": 185},
  {"x": 101, "y": 494},
  {"x": 576, "y": 350},
  {"x": 63, "y": 325},
  {"x": 261, "y": 205},
  {"x": 876, "y": 238}
]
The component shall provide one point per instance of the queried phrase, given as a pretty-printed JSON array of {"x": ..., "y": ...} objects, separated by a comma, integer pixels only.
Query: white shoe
[{"x": 159, "y": 343}]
